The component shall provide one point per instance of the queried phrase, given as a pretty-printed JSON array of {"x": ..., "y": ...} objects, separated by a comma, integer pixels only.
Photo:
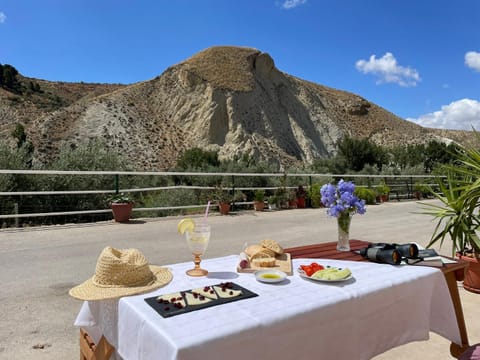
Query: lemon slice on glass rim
[{"x": 185, "y": 225}]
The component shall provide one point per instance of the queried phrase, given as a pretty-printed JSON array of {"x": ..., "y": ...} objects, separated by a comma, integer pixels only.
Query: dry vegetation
[{"x": 225, "y": 67}]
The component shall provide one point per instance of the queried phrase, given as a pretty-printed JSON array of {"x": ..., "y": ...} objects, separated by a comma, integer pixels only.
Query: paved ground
[{"x": 39, "y": 265}]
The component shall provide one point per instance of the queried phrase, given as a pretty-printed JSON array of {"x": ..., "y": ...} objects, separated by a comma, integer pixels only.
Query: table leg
[
  {"x": 104, "y": 350},
  {"x": 89, "y": 351},
  {"x": 456, "y": 349},
  {"x": 87, "y": 345}
]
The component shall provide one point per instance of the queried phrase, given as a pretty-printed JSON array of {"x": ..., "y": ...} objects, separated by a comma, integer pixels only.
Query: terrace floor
[{"x": 40, "y": 265}]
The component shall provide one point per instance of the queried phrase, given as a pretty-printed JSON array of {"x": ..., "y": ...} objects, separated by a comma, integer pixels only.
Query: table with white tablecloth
[{"x": 382, "y": 307}]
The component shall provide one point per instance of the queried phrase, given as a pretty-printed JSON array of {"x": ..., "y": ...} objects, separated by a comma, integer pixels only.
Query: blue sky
[{"x": 419, "y": 59}]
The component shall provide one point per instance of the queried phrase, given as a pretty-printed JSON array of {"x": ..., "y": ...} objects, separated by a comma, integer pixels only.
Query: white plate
[
  {"x": 270, "y": 276},
  {"x": 303, "y": 275}
]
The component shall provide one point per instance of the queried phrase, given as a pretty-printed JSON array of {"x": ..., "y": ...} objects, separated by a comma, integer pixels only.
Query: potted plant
[
  {"x": 300, "y": 194},
  {"x": 121, "y": 205},
  {"x": 259, "y": 202},
  {"x": 272, "y": 202},
  {"x": 382, "y": 191},
  {"x": 224, "y": 200},
  {"x": 281, "y": 194},
  {"x": 421, "y": 191},
  {"x": 458, "y": 218},
  {"x": 281, "y": 197},
  {"x": 417, "y": 193},
  {"x": 292, "y": 199},
  {"x": 314, "y": 195}
]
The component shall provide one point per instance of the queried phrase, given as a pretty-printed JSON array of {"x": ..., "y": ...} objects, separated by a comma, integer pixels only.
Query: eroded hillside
[{"x": 230, "y": 99}]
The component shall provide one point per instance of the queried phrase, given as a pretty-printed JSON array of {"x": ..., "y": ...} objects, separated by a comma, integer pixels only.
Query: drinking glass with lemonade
[{"x": 197, "y": 234}]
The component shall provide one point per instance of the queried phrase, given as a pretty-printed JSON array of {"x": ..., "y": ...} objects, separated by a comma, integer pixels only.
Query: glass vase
[{"x": 343, "y": 222}]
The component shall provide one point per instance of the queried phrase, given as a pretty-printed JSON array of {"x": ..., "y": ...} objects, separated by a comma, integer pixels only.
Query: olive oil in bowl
[{"x": 270, "y": 276}]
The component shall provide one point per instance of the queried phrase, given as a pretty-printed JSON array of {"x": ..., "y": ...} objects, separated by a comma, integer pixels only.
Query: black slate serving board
[{"x": 172, "y": 311}]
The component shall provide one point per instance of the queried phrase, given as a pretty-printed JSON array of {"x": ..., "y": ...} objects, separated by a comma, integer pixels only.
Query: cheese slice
[
  {"x": 206, "y": 291},
  {"x": 225, "y": 292},
  {"x": 173, "y": 298},
  {"x": 196, "y": 299}
]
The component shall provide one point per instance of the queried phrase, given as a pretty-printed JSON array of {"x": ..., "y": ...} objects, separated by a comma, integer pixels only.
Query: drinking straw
[{"x": 206, "y": 211}]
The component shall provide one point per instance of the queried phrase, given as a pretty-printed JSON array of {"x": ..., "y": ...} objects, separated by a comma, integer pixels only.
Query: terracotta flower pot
[
  {"x": 121, "y": 211},
  {"x": 301, "y": 203},
  {"x": 224, "y": 208},
  {"x": 259, "y": 205},
  {"x": 471, "y": 281}
]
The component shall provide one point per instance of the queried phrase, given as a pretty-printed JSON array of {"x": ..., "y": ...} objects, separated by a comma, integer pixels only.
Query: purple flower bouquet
[{"x": 342, "y": 202}]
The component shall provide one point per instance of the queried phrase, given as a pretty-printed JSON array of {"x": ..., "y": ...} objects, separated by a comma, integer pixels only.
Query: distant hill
[{"x": 230, "y": 99}]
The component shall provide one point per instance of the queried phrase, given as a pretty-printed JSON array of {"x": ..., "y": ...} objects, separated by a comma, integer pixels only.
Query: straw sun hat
[{"x": 121, "y": 273}]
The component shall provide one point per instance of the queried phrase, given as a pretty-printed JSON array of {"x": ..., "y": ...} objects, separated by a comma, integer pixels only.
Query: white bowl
[{"x": 270, "y": 276}]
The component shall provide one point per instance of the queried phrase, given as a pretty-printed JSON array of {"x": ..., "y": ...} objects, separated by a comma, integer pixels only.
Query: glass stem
[{"x": 197, "y": 261}]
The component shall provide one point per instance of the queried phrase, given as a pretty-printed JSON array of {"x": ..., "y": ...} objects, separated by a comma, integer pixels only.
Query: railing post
[
  {"x": 310, "y": 190},
  {"x": 410, "y": 191},
  {"x": 233, "y": 192},
  {"x": 15, "y": 210},
  {"x": 117, "y": 182}
]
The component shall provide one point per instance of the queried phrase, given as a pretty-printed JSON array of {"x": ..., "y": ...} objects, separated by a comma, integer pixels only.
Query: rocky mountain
[{"x": 230, "y": 99}]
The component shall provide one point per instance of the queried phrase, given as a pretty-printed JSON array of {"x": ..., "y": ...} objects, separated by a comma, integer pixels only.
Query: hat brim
[{"x": 89, "y": 291}]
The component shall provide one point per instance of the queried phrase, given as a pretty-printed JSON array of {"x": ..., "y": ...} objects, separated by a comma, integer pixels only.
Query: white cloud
[
  {"x": 472, "y": 60},
  {"x": 459, "y": 115},
  {"x": 3, "y": 17},
  {"x": 388, "y": 71},
  {"x": 290, "y": 4}
]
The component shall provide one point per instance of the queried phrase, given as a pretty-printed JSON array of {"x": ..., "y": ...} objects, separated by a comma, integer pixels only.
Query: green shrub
[
  {"x": 198, "y": 159},
  {"x": 382, "y": 188},
  {"x": 120, "y": 198},
  {"x": 366, "y": 194},
  {"x": 259, "y": 195},
  {"x": 314, "y": 195},
  {"x": 167, "y": 198}
]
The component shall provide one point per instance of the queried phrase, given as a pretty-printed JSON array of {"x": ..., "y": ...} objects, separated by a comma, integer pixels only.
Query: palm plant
[
  {"x": 460, "y": 195},
  {"x": 456, "y": 216}
]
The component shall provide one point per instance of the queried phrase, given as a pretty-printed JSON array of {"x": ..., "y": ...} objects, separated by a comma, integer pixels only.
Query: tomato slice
[
  {"x": 311, "y": 269},
  {"x": 308, "y": 270},
  {"x": 316, "y": 266}
]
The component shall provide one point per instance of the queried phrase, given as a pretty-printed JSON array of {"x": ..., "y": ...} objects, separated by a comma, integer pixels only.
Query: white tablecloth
[{"x": 383, "y": 307}]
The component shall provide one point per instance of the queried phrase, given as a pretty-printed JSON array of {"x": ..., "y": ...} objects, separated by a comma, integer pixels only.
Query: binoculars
[{"x": 389, "y": 253}]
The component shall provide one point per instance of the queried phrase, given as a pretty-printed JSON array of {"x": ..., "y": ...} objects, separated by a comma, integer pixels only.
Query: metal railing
[{"x": 404, "y": 183}]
